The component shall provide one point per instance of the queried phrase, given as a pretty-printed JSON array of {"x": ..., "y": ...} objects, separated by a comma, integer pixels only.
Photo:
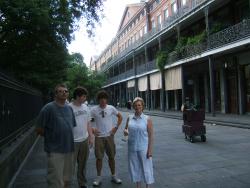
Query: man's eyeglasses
[{"x": 62, "y": 91}]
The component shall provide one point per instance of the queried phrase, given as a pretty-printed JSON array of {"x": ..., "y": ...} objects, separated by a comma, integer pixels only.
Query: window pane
[
  {"x": 174, "y": 7},
  {"x": 166, "y": 14}
]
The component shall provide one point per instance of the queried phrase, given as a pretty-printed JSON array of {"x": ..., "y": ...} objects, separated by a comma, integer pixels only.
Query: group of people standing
[{"x": 69, "y": 133}]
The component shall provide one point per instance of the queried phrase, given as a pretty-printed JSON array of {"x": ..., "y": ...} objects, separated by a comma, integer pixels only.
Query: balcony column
[
  {"x": 212, "y": 85},
  {"x": 166, "y": 99},
  {"x": 113, "y": 95},
  {"x": 135, "y": 73},
  {"x": 178, "y": 30},
  {"x": 148, "y": 81},
  {"x": 119, "y": 70},
  {"x": 162, "y": 90},
  {"x": 125, "y": 64},
  {"x": 241, "y": 89},
  {"x": 159, "y": 41},
  {"x": 223, "y": 91},
  {"x": 206, "y": 89},
  {"x": 120, "y": 94},
  {"x": 206, "y": 12},
  {"x": 127, "y": 91},
  {"x": 183, "y": 96}
]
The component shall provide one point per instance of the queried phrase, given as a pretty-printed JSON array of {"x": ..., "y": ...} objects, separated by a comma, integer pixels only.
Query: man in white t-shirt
[
  {"x": 82, "y": 133},
  {"x": 104, "y": 135}
]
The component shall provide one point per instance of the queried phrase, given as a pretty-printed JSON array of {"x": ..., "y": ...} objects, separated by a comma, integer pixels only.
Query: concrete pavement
[{"x": 221, "y": 162}]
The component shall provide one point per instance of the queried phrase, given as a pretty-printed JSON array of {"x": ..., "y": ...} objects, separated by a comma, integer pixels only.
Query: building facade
[{"x": 206, "y": 50}]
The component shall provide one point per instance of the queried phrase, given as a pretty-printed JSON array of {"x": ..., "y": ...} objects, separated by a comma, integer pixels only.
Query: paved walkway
[{"x": 221, "y": 162}]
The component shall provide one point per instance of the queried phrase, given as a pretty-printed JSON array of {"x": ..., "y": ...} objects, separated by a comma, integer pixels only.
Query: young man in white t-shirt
[
  {"x": 104, "y": 135},
  {"x": 82, "y": 133}
]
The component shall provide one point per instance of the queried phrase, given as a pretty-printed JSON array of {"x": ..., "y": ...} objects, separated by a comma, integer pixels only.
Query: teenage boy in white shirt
[
  {"x": 104, "y": 135},
  {"x": 82, "y": 134}
]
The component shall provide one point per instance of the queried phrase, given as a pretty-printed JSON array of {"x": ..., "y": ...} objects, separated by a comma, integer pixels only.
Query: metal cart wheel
[
  {"x": 191, "y": 138},
  {"x": 203, "y": 138}
]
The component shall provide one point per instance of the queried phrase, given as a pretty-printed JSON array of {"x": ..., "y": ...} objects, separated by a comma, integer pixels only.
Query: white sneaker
[
  {"x": 116, "y": 180},
  {"x": 97, "y": 181}
]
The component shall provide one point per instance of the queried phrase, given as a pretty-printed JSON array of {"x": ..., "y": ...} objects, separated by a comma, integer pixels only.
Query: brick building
[{"x": 206, "y": 45}]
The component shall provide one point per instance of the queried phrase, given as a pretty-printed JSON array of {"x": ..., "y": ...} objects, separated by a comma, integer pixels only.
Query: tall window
[
  {"x": 141, "y": 32},
  {"x": 145, "y": 29},
  {"x": 159, "y": 20},
  {"x": 174, "y": 7},
  {"x": 166, "y": 14},
  {"x": 153, "y": 23}
]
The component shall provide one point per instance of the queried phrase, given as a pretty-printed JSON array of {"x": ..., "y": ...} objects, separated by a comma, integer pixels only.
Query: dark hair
[
  {"x": 59, "y": 85},
  {"x": 79, "y": 91},
  {"x": 102, "y": 95}
]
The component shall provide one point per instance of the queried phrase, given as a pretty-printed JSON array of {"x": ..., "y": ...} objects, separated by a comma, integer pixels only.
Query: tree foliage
[
  {"x": 34, "y": 35},
  {"x": 78, "y": 74}
]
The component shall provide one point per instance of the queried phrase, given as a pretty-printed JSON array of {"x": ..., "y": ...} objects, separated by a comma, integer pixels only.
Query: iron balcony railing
[
  {"x": 229, "y": 35},
  {"x": 141, "y": 68},
  {"x": 187, "y": 9},
  {"x": 222, "y": 38}
]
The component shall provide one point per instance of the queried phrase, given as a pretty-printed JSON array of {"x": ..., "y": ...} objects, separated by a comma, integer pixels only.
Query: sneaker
[
  {"x": 116, "y": 180},
  {"x": 98, "y": 181}
]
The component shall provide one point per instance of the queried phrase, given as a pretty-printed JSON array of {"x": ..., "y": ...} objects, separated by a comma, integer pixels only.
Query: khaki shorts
[{"x": 106, "y": 144}]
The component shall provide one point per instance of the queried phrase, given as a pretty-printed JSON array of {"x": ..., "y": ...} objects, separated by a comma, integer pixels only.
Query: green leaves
[
  {"x": 34, "y": 35},
  {"x": 161, "y": 59},
  {"x": 78, "y": 74}
]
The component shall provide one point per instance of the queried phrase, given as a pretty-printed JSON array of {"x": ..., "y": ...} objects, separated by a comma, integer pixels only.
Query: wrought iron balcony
[
  {"x": 222, "y": 38},
  {"x": 229, "y": 35},
  {"x": 122, "y": 76},
  {"x": 130, "y": 72},
  {"x": 167, "y": 23},
  {"x": 141, "y": 69},
  {"x": 151, "y": 65}
]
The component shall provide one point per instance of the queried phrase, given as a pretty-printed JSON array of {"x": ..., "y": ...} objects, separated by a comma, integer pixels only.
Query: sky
[{"x": 104, "y": 33}]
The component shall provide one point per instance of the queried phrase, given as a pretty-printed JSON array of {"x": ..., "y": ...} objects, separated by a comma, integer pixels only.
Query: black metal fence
[{"x": 19, "y": 106}]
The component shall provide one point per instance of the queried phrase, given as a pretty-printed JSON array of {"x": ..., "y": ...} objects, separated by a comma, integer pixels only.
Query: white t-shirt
[
  {"x": 104, "y": 119},
  {"x": 82, "y": 116}
]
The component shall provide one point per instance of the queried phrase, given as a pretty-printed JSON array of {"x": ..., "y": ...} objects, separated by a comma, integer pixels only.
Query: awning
[
  {"x": 173, "y": 79},
  {"x": 131, "y": 83},
  {"x": 155, "y": 81},
  {"x": 143, "y": 83}
]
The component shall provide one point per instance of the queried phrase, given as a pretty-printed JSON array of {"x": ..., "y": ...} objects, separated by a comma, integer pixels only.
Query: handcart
[{"x": 193, "y": 124}]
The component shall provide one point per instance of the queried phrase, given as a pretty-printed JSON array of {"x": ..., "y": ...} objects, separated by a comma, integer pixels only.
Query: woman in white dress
[{"x": 139, "y": 127}]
